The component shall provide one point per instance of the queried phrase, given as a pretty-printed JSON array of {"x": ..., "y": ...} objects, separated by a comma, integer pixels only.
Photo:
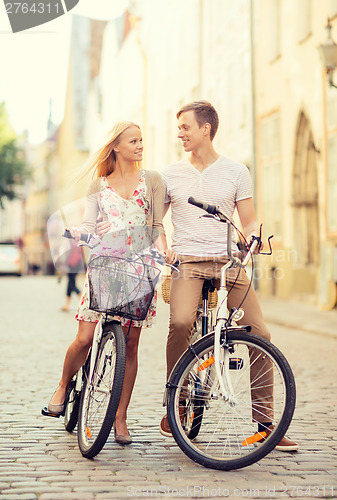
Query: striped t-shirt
[{"x": 223, "y": 184}]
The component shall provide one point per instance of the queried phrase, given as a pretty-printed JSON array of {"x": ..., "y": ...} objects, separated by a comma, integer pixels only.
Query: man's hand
[
  {"x": 259, "y": 246},
  {"x": 102, "y": 227},
  {"x": 170, "y": 256}
]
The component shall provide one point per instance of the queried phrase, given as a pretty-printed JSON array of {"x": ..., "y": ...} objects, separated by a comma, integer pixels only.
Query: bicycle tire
[
  {"x": 225, "y": 427},
  {"x": 100, "y": 398},
  {"x": 194, "y": 412},
  {"x": 72, "y": 407}
]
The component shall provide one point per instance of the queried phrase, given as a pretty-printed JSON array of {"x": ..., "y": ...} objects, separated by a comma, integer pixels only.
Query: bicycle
[
  {"x": 213, "y": 396},
  {"x": 205, "y": 317},
  {"x": 119, "y": 286}
]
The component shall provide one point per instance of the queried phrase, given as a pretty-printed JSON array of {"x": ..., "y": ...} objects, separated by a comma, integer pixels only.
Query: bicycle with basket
[{"x": 119, "y": 286}]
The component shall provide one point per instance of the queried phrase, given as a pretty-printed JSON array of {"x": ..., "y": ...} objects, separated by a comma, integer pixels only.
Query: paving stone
[
  {"x": 15, "y": 496},
  {"x": 67, "y": 496}
]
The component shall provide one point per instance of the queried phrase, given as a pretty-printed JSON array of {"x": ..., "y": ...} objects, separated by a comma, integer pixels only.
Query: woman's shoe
[
  {"x": 120, "y": 439},
  {"x": 57, "y": 409}
]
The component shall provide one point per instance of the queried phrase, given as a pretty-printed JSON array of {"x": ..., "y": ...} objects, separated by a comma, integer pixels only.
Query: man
[{"x": 201, "y": 242}]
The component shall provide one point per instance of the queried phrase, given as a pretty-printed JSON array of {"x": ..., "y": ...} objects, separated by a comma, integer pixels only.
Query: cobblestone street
[{"x": 39, "y": 459}]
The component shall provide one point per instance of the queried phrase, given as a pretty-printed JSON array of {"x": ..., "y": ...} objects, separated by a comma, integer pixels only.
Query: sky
[{"x": 34, "y": 65}]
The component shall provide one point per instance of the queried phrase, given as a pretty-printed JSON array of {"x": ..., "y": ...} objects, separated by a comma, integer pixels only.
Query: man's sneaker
[
  {"x": 165, "y": 427},
  {"x": 284, "y": 445}
]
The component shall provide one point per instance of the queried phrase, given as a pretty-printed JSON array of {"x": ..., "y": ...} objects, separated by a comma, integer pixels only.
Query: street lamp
[{"x": 328, "y": 53}]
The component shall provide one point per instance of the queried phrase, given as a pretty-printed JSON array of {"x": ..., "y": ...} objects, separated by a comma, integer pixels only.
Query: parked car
[{"x": 10, "y": 259}]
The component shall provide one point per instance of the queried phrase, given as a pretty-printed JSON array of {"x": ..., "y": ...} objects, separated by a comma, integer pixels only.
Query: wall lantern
[{"x": 328, "y": 54}]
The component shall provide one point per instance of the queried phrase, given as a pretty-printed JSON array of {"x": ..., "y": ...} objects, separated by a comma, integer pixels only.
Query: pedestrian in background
[{"x": 75, "y": 265}]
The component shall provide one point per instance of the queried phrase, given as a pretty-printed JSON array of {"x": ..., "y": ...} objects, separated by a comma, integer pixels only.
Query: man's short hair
[{"x": 204, "y": 113}]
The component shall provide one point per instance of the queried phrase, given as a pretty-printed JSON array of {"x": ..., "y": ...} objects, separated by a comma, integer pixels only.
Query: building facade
[
  {"x": 257, "y": 62},
  {"x": 296, "y": 117}
]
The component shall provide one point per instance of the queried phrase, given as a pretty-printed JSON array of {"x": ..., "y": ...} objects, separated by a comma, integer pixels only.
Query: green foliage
[{"x": 13, "y": 169}]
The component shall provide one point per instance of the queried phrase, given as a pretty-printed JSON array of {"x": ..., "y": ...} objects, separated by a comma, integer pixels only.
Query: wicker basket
[
  {"x": 166, "y": 292},
  {"x": 166, "y": 288},
  {"x": 122, "y": 287}
]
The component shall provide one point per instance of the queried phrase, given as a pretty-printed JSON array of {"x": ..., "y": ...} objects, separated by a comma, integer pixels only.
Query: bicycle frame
[
  {"x": 222, "y": 319},
  {"x": 94, "y": 347}
]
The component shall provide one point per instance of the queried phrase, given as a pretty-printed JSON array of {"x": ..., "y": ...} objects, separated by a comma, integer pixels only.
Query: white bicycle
[
  {"x": 227, "y": 383},
  {"x": 118, "y": 287}
]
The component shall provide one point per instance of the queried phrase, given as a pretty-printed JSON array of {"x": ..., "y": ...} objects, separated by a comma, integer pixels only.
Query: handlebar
[
  {"x": 218, "y": 215},
  {"x": 211, "y": 209},
  {"x": 86, "y": 237}
]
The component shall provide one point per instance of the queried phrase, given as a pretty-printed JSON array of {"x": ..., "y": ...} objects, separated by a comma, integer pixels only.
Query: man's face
[{"x": 190, "y": 133}]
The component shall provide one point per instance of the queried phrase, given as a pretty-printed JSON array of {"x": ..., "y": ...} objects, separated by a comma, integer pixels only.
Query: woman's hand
[
  {"x": 170, "y": 256},
  {"x": 75, "y": 233},
  {"x": 102, "y": 227}
]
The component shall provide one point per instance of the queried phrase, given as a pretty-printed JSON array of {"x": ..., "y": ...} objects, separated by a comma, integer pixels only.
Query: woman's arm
[{"x": 90, "y": 213}]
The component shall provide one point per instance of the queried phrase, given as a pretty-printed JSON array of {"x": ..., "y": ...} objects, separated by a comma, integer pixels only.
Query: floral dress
[{"x": 127, "y": 235}]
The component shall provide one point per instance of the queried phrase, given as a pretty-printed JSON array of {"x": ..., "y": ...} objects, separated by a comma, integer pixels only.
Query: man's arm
[{"x": 247, "y": 216}]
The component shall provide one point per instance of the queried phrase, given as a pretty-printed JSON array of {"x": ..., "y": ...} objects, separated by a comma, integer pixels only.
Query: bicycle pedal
[{"x": 46, "y": 413}]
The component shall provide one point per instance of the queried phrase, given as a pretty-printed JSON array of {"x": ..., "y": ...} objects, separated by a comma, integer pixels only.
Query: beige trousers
[{"x": 184, "y": 298}]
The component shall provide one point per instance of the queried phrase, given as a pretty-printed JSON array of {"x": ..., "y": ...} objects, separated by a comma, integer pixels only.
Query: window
[
  {"x": 271, "y": 175},
  {"x": 275, "y": 30},
  {"x": 304, "y": 19},
  {"x": 332, "y": 182},
  {"x": 230, "y": 100},
  {"x": 272, "y": 198},
  {"x": 331, "y": 112},
  {"x": 333, "y": 8}
]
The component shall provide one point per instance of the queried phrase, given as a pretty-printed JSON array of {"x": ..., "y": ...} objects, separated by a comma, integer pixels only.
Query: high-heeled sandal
[{"x": 57, "y": 410}]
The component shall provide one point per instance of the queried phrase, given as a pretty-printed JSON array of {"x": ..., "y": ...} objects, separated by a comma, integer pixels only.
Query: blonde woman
[{"x": 125, "y": 196}]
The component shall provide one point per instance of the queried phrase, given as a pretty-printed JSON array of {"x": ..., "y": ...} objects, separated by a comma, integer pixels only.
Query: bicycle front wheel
[
  {"x": 100, "y": 395},
  {"x": 219, "y": 430}
]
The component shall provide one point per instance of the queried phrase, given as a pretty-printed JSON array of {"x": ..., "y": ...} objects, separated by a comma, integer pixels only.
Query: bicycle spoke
[{"x": 100, "y": 397}]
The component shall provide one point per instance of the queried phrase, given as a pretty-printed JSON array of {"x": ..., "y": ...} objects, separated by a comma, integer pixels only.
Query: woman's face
[{"x": 130, "y": 146}]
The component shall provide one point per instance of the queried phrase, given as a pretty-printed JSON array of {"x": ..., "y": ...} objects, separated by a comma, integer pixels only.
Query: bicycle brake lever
[
  {"x": 208, "y": 216},
  {"x": 270, "y": 248},
  {"x": 219, "y": 216}
]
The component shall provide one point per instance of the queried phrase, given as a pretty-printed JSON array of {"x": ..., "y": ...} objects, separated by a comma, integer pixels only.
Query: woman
[{"x": 131, "y": 201}]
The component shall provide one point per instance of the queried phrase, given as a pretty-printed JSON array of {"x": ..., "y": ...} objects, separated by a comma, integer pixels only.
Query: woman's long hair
[{"x": 103, "y": 162}]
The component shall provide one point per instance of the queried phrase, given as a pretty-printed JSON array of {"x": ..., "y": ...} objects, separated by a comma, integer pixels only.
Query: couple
[{"x": 123, "y": 191}]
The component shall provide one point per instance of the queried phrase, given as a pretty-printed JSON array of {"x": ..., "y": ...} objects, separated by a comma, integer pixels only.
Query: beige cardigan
[{"x": 155, "y": 195}]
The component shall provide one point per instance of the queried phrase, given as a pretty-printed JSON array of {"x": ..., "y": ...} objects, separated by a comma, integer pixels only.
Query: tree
[{"x": 13, "y": 168}]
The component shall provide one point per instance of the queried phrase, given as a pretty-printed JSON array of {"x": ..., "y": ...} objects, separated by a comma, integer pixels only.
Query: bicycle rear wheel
[
  {"x": 100, "y": 396},
  {"x": 225, "y": 430},
  {"x": 72, "y": 406}
]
